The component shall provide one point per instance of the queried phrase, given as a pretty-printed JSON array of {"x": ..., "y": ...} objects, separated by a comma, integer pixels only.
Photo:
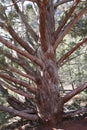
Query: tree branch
[
  {"x": 16, "y": 81},
  {"x": 11, "y": 31},
  {"x": 19, "y": 61},
  {"x": 16, "y": 70},
  {"x": 19, "y": 113},
  {"x": 23, "y": 53},
  {"x": 74, "y": 92},
  {"x": 28, "y": 27},
  {"x": 73, "y": 113},
  {"x": 47, "y": 24},
  {"x": 16, "y": 90},
  {"x": 28, "y": 66},
  {"x": 24, "y": 44},
  {"x": 66, "y": 19},
  {"x": 69, "y": 26},
  {"x": 65, "y": 56},
  {"x": 16, "y": 104}
]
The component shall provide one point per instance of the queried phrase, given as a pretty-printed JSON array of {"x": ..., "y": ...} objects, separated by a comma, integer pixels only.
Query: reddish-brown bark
[
  {"x": 40, "y": 65},
  {"x": 23, "y": 53},
  {"x": 69, "y": 26},
  {"x": 18, "y": 113},
  {"x": 75, "y": 92},
  {"x": 68, "y": 14},
  {"x": 14, "y": 89},
  {"x": 19, "y": 40},
  {"x": 16, "y": 81},
  {"x": 28, "y": 27},
  {"x": 73, "y": 49}
]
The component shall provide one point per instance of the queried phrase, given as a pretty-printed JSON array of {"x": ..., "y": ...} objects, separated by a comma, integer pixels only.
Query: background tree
[{"x": 30, "y": 62}]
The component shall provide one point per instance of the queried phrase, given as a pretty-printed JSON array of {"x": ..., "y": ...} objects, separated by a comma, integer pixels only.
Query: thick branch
[
  {"x": 65, "y": 56},
  {"x": 47, "y": 24},
  {"x": 74, "y": 92},
  {"x": 16, "y": 81},
  {"x": 24, "y": 44},
  {"x": 13, "y": 69},
  {"x": 66, "y": 19},
  {"x": 28, "y": 27},
  {"x": 69, "y": 26},
  {"x": 19, "y": 113},
  {"x": 16, "y": 104},
  {"x": 16, "y": 90},
  {"x": 26, "y": 64},
  {"x": 20, "y": 62},
  {"x": 23, "y": 53}
]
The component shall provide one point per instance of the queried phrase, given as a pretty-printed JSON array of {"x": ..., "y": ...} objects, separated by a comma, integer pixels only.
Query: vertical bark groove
[{"x": 48, "y": 99}]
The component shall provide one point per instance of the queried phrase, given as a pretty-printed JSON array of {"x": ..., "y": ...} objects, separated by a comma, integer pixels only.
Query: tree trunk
[{"x": 48, "y": 100}]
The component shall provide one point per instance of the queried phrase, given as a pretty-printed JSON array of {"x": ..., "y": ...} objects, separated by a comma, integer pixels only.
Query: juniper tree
[{"x": 31, "y": 69}]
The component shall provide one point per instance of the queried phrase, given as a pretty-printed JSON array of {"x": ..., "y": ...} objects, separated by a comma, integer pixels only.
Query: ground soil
[{"x": 76, "y": 124}]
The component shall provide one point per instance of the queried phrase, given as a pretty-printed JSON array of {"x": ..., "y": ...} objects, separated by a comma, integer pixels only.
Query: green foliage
[{"x": 3, "y": 116}]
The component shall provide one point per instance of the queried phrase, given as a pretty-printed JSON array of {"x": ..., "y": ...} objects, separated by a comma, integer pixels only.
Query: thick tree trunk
[{"x": 48, "y": 99}]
